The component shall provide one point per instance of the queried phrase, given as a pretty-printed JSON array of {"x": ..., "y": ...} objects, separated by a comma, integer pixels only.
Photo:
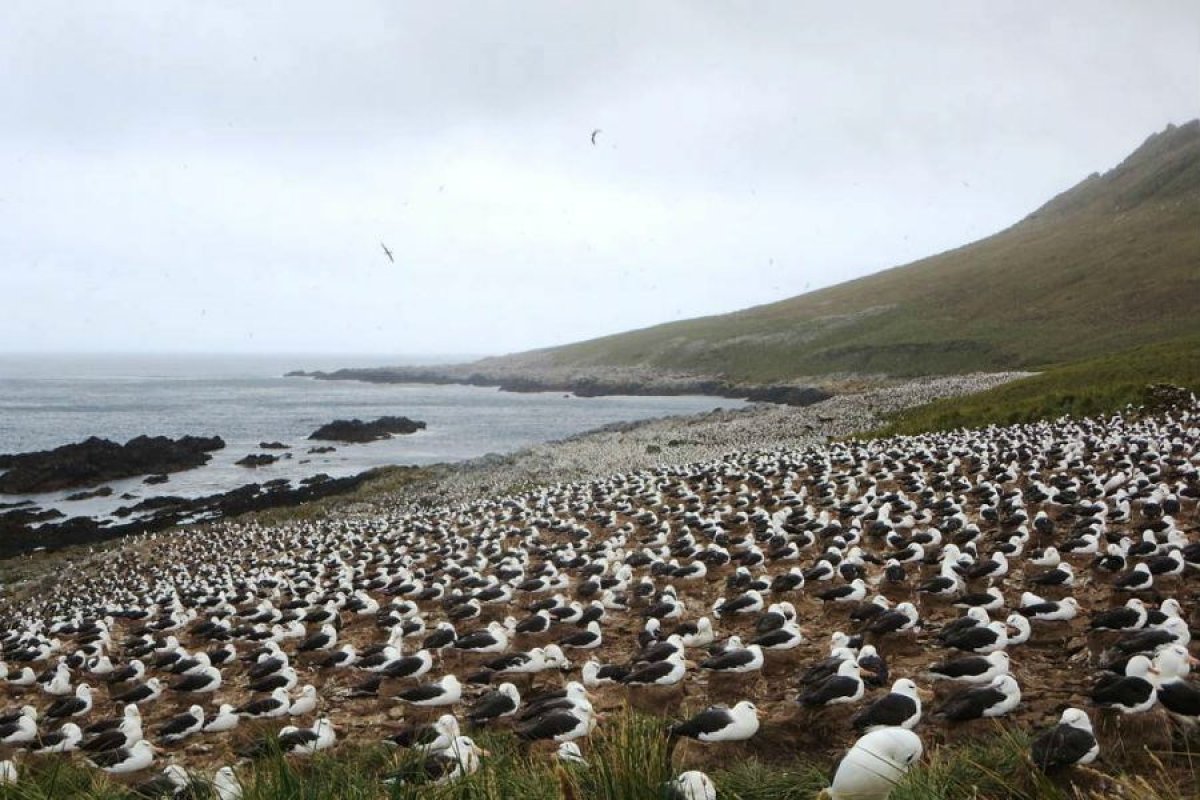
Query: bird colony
[{"x": 883, "y": 596}]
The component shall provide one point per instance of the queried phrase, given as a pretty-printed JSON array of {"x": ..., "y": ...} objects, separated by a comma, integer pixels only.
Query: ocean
[{"x": 51, "y": 400}]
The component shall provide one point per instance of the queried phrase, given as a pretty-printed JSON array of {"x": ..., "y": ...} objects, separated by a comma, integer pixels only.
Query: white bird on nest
[{"x": 874, "y": 765}]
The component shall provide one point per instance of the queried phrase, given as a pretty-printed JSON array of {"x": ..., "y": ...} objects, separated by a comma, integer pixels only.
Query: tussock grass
[{"x": 629, "y": 759}]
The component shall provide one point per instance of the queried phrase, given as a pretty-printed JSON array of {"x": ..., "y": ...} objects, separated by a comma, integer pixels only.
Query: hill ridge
[{"x": 1109, "y": 263}]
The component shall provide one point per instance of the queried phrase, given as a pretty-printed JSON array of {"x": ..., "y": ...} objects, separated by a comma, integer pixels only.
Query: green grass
[
  {"x": 1093, "y": 386},
  {"x": 629, "y": 759},
  {"x": 1110, "y": 264}
]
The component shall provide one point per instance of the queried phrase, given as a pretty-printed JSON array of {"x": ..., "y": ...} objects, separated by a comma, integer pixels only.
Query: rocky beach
[{"x": 679, "y": 440}]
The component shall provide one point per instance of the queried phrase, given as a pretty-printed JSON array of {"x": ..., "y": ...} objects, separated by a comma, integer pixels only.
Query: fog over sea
[{"x": 51, "y": 400}]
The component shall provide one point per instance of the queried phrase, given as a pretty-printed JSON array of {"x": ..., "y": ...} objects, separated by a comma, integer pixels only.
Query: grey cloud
[{"x": 218, "y": 176}]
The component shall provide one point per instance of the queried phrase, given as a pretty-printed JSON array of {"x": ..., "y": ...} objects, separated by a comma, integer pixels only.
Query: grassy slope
[
  {"x": 1092, "y": 386},
  {"x": 1114, "y": 262}
]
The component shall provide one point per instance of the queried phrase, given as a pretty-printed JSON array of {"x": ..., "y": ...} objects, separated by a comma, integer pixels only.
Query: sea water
[{"x": 51, "y": 400}]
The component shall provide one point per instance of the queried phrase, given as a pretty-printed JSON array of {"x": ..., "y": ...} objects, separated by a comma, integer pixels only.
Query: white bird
[
  {"x": 23, "y": 730},
  {"x": 568, "y": 752},
  {"x": 721, "y": 724},
  {"x": 874, "y": 765},
  {"x": 306, "y": 741},
  {"x": 226, "y": 784},
  {"x": 63, "y": 740},
  {"x": 692, "y": 785},
  {"x": 138, "y": 756},
  {"x": 305, "y": 702},
  {"x": 445, "y": 692},
  {"x": 226, "y": 719}
]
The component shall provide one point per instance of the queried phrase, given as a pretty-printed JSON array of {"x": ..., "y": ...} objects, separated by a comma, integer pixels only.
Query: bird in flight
[
  {"x": 387, "y": 252},
  {"x": 595, "y": 133}
]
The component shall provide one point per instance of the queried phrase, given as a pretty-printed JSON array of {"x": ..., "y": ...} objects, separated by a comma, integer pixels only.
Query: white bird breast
[{"x": 875, "y": 764}]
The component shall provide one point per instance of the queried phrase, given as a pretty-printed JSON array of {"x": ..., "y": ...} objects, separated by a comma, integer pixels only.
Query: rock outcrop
[
  {"x": 355, "y": 430},
  {"x": 257, "y": 460},
  {"x": 97, "y": 460},
  {"x": 28, "y": 527}
]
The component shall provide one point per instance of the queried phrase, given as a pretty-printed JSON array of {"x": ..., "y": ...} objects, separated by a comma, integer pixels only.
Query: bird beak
[
  {"x": 485, "y": 753},
  {"x": 690, "y": 664},
  {"x": 1195, "y": 662}
]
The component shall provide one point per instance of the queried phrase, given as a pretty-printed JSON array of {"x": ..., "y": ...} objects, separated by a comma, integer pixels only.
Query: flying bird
[
  {"x": 387, "y": 252},
  {"x": 596, "y": 133}
]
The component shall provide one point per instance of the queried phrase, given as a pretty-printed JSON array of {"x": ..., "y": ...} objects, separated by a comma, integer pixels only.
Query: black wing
[
  {"x": 413, "y": 735},
  {"x": 730, "y": 660},
  {"x": 831, "y": 688},
  {"x": 548, "y": 726},
  {"x": 1180, "y": 697},
  {"x": 420, "y": 693},
  {"x": 65, "y": 707},
  {"x": 177, "y": 725},
  {"x": 403, "y": 667},
  {"x": 962, "y": 667},
  {"x": 259, "y": 706},
  {"x": 971, "y": 704},
  {"x": 891, "y": 709},
  {"x": 110, "y": 739},
  {"x": 1061, "y": 746},
  {"x": 711, "y": 719},
  {"x": 294, "y": 739},
  {"x": 491, "y": 705},
  {"x": 108, "y": 758}
]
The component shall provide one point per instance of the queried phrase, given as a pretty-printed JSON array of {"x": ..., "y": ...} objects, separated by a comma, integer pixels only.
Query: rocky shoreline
[
  {"x": 582, "y": 384},
  {"x": 625, "y": 447},
  {"x": 95, "y": 461},
  {"x": 27, "y": 528},
  {"x": 609, "y": 450}
]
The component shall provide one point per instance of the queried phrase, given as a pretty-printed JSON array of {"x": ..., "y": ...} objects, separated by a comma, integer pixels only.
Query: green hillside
[
  {"x": 1112, "y": 263},
  {"x": 1091, "y": 386}
]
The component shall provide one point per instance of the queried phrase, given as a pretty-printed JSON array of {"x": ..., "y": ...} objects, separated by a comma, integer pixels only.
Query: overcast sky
[{"x": 177, "y": 176}]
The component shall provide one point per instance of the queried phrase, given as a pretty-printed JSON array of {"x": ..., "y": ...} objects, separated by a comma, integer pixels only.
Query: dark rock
[
  {"x": 129, "y": 496},
  {"x": 29, "y": 515},
  {"x": 273, "y": 446},
  {"x": 99, "y": 460},
  {"x": 355, "y": 430},
  {"x": 161, "y": 502},
  {"x": 158, "y": 513},
  {"x": 18, "y": 504},
  {"x": 653, "y": 449},
  {"x": 155, "y": 480},
  {"x": 257, "y": 460},
  {"x": 276, "y": 484},
  {"x": 103, "y": 491},
  {"x": 322, "y": 449}
]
